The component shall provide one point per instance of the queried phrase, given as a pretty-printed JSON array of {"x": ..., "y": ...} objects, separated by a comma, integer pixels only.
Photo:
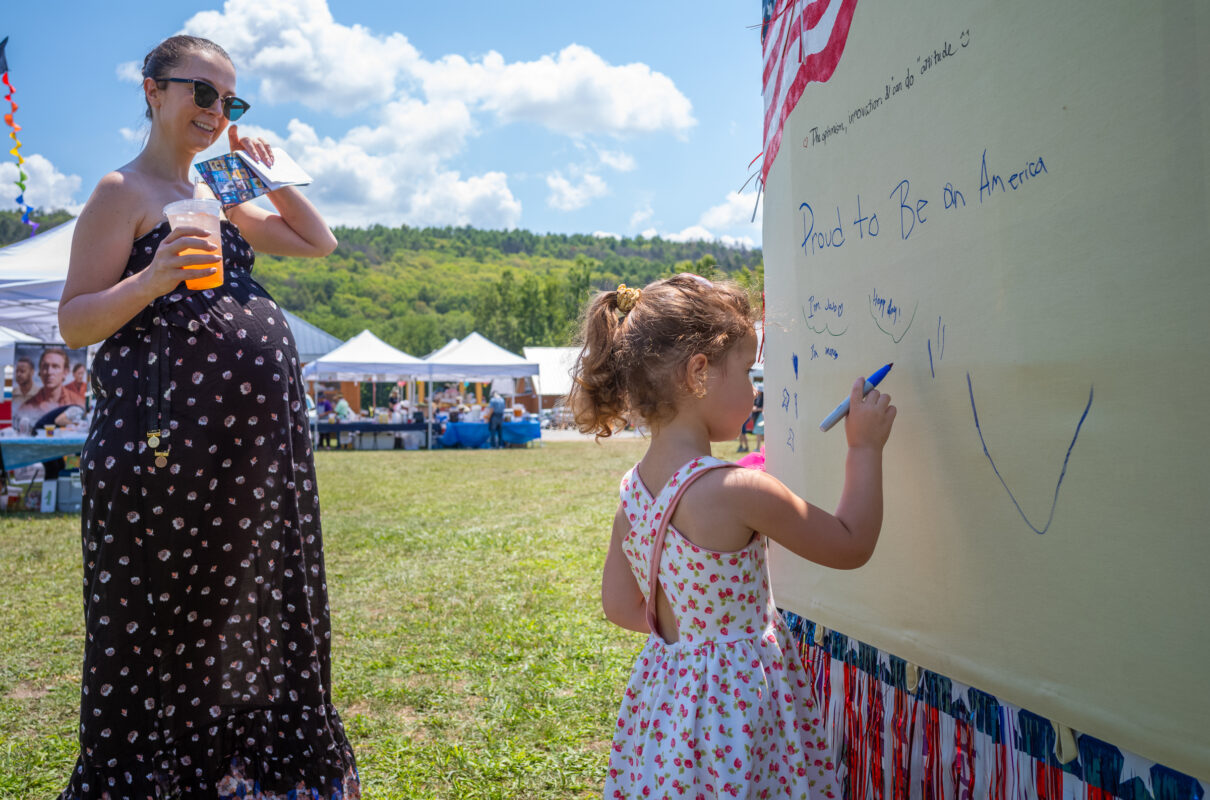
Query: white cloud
[
  {"x": 366, "y": 177},
  {"x": 130, "y": 72},
  {"x": 398, "y": 164},
  {"x": 605, "y": 235},
  {"x": 568, "y": 196},
  {"x": 45, "y": 187},
  {"x": 640, "y": 216},
  {"x": 734, "y": 212},
  {"x": 699, "y": 234},
  {"x": 691, "y": 234},
  {"x": 616, "y": 159},
  {"x": 728, "y": 223},
  {"x": 484, "y": 200},
  {"x": 395, "y": 185},
  {"x": 573, "y": 92},
  {"x": 299, "y": 53}
]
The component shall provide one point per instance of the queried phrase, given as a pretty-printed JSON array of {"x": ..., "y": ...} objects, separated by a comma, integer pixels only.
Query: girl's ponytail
[
  {"x": 637, "y": 345},
  {"x": 597, "y": 398}
]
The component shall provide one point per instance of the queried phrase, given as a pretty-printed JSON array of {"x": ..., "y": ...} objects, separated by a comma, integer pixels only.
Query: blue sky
[{"x": 620, "y": 118}]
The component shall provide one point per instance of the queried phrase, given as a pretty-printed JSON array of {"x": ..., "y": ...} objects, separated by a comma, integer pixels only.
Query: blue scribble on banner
[{"x": 1062, "y": 473}]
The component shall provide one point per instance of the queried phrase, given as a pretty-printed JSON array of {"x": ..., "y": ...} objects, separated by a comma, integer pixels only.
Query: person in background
[
  {"x": 344, "y": 412},
  {"x": 719, "y": 657},
  {"x": 324, "y": 412},
  {"x": 758, "y": 415},
  {"x": 79, "y": 375},
  {"x": 23, "y": 381},
  {"x": 495, "y": 420}
]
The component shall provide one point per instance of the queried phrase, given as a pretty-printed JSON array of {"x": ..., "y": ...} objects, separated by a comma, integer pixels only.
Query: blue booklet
[{"x": 235, "y": 178}]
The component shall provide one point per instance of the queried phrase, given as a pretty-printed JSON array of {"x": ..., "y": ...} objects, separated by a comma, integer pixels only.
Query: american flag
[{"x": 802, "y": 42}]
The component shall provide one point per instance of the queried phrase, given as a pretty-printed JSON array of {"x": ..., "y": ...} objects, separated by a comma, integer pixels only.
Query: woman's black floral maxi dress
[{"x": 206, "y": 662}]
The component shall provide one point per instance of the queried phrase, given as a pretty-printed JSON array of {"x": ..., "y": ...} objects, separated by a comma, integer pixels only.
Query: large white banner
[{"x": 1011, "y": 202}]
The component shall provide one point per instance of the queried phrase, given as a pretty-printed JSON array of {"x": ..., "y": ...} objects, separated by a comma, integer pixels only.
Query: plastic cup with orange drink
[{"x": 200, "y": 213}]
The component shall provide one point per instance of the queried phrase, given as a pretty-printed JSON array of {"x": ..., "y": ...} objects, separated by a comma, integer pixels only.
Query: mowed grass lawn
[{"x": 470, "y": 657}]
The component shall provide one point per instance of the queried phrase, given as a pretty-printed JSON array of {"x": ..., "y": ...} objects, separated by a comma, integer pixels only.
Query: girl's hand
[
  {"x": 168, "y": 268},
  {"x": 868, "y": 423},
  {"x": 259, "y": 149}
]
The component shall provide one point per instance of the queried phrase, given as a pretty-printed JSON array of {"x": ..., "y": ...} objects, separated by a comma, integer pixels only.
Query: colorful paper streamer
[
  {"x": 16, "y": 150},
  {"x": 964, "y": 744}
]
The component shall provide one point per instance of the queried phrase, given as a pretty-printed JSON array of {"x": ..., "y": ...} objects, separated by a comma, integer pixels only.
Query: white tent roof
[
  {"x": 477, "y": 358},
  {"x": 32, "y": 273},
  {"x": 554, "y": 368},
  {"x": 365, "y": 357},
  {"x": 8, "y": 342},
  {"x": 441, "y": 351},
  {"x": 39, "y": 258}
]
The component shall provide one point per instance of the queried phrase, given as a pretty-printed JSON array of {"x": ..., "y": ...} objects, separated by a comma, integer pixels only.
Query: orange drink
[{"x": 200, "y": 213}]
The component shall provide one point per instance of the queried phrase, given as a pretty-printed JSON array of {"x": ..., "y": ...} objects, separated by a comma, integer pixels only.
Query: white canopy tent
[
  {"x": 32, "y": 274},
  {"x": 365, "y": 357},
  {"x": 440, "y": 352},
  {"x": 8, "y": 341},
  {"x": 477, "y": 358},
  {"x": 554, "y": 368}
]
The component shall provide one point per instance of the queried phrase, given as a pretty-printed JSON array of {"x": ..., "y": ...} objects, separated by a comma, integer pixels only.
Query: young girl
[{"x": 718, "y": 703}]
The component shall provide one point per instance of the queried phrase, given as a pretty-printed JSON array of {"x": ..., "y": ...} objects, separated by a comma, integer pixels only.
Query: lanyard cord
[{"x": 159, "y": 399}]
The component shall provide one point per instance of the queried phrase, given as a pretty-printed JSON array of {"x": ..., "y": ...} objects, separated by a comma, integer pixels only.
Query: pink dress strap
[{"x": 661, "y": 531}]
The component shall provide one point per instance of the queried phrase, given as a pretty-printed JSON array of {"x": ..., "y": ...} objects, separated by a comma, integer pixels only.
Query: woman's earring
[{"x": 700, "y": 390}]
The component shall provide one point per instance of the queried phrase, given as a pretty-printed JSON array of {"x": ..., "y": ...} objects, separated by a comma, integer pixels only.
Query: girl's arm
[
  {"x": 621, "y": 596},
  {"x": 846, "y": 539},
  {"x": 95, "y": 301},
  {"x": 297, "y": 229}
]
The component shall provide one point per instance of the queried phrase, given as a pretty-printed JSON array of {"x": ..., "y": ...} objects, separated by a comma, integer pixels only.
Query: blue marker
[{"x": 842, "y": 409}]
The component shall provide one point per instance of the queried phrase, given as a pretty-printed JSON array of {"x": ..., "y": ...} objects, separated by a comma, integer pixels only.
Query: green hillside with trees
[{"x": 417, "y": 288}]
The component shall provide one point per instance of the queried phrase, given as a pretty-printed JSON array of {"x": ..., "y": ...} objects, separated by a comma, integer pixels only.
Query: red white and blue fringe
[{"x": 946, "y": 741}]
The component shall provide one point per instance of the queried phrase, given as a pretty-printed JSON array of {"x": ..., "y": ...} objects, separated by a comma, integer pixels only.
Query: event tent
[
  {"x": 440, "y": 352},
  {"x": 8, "y": 341},
  {"x": 477, "y": 359},
  {"x": 365, "y": 357},
  {"x": 32, "y": 273},
  {"x": 554, "y": 368}
]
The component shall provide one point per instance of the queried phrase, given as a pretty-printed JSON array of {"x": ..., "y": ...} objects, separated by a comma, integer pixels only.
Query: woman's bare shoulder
[{"x": 123, "y": 202}]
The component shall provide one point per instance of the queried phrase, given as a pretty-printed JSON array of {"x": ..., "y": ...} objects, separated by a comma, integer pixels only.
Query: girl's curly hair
[{"x": 632, "y": 365}]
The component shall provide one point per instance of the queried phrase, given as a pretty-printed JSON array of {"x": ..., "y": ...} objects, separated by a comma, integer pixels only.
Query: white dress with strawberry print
[{"x": 726, "y": 710}]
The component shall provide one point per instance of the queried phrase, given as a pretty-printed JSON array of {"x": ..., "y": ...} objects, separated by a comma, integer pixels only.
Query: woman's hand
[
  {"x": 259, "y": 149},
  {"x": 297, "y": 229},
  {"x": 169, "y": 267}
]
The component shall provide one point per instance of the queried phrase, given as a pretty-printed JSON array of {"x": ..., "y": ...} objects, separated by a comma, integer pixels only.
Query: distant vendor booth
[
  {"x": 365, "y": 357},
  {"x": 479, "y": 360}
]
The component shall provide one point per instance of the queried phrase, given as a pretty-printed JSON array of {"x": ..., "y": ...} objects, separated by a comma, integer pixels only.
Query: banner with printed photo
[{"x": 47, "y": 378}]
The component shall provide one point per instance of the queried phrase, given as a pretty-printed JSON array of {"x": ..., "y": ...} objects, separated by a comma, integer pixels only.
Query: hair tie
[{"x": 627, "y": 297}]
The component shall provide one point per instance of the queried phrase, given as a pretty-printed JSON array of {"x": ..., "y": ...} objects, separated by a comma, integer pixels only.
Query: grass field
[{"x": 470, "y": 657}]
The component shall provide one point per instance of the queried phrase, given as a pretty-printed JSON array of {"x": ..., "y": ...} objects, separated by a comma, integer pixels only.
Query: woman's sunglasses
[{"x": 204, "y": 96}]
